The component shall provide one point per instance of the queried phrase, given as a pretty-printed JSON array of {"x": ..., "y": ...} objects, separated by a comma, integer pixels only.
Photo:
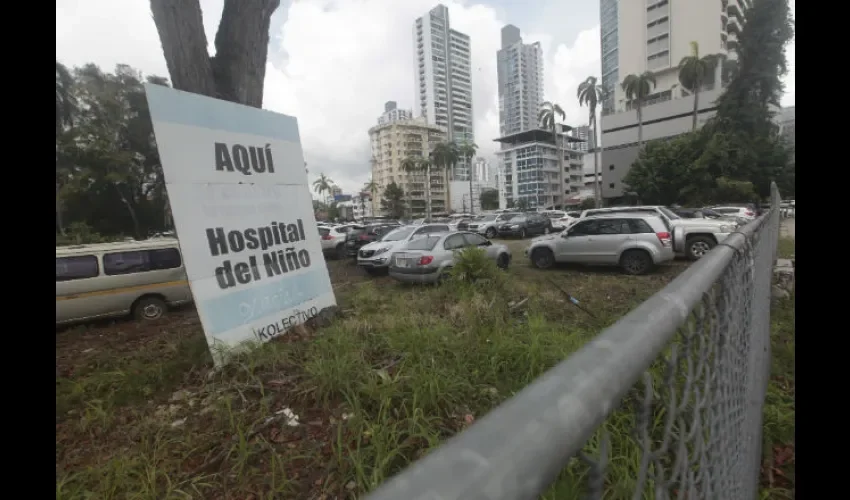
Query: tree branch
[
  {"x": 241, "y": 46},
  {"x": 184, "y": 44}
]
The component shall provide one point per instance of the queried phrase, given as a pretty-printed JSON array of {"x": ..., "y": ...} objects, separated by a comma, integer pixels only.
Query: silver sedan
[{"x": 428, "y": 259}]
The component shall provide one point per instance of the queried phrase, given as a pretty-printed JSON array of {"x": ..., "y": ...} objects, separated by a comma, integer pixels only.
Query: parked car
[
  {"x": 562, "y": 220},
  {"x": 742, "y": 212},
  {"x": 692, "y": 238},
  {"x": 525, "y": 224},
  {"x": 430, "y": 258},
  {"x": 634, "y": 242},
  {"x": 488, "y": 225},
  {"x": 357, "y": 238},
  {"x": 374, "y": 257},
  {"x": 333, "y": 240}
]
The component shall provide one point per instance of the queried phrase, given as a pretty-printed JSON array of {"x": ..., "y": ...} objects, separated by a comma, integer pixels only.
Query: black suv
[
  {"x": 356, "y": 238},
  {"x": 526, "y": 224}
]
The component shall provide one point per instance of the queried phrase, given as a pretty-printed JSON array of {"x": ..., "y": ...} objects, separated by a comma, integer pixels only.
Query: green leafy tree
[
  {"x": 522, "y": 204},
  {"x": 392, "y": 202},
  {"x": 637, "y": 89},
  {"x": 590, "y": 92},
  {"x": 696, "y": 71},
  {"x": 548, "y": 118},
  {"x": 489, "y": 199},
  {"x": 238, "y": 69},
  {"x": 587, "y": 204}
]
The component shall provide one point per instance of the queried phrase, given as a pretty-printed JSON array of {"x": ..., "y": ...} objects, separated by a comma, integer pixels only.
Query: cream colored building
[{"x": 392, "y": 143}]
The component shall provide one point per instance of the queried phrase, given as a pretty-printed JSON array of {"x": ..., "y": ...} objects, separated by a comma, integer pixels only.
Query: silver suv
[
  {"x": 692, "y": 238},
  {"x": 634, "y": 242}
]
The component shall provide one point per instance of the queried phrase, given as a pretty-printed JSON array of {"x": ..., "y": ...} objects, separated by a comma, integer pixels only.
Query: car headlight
[
  {"x": 726, "y": 229},
  {"x": 381, "y": 250},
  {"x": 515, "y": 226}
]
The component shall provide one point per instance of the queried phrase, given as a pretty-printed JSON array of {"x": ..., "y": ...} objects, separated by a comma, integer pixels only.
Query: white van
[{"x": 141, "y": 278}]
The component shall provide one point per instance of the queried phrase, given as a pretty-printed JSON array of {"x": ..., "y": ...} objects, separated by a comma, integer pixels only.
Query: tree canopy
[{"x": 739, "y": 151}]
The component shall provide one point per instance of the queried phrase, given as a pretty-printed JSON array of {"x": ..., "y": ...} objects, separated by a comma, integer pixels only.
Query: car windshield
[
  {"x": 424, "y": 243},
  {"x": 398, "y": 234},
  {"x": 519, "y": 218},
  {"x": 669, "y": 213}
]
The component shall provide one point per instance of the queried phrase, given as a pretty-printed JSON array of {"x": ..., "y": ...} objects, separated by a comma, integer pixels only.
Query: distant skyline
[{"x": 334, "y": 63}]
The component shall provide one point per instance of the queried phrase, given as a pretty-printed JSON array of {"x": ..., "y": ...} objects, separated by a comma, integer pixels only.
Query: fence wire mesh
[{"x": 670, "y": 398}]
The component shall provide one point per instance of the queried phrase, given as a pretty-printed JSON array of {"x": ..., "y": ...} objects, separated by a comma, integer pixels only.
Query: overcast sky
[{"x": 333, "y": 63}]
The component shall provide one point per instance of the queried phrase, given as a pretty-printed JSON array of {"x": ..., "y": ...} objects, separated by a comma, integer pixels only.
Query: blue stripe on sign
[
  {"x": 245, "y": 306},
  {"x": 184, "y": 108}
]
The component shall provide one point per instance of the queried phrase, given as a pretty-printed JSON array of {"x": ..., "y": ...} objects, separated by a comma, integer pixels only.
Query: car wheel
[
  {"x": 490, "y": 233},
  {"x": 503, "y": 261},
  {"x": 698, "y": 246},
  {"x": 542, "y": 258},
  {"x": 149, "y": 309},
  {"x": 635, "y": 262},
  {"x": 522, "y": 233}
]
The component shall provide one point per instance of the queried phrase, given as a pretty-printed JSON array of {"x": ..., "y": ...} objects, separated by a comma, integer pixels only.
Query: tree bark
[
  {"x": 696, "y": 106},
  {"x": 131, "y": 210},
  {"x": 471, "y": 203},
  {"x": 597, "y": 158},
  {"x": 640, "y": 125},
  {"x": 238, "y": 70}
]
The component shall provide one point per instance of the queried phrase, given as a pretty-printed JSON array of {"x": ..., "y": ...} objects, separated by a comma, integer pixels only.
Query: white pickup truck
[{"x": 692, "y": 238}]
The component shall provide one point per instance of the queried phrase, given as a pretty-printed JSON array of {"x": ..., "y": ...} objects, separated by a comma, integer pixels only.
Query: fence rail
[{"x": 688, "y": 368}]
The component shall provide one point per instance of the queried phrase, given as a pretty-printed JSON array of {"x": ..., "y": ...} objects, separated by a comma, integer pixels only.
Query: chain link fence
[{"x": 666, "y": 403}]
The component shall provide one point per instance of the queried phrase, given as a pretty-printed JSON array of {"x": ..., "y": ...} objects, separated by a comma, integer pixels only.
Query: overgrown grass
[
  {"x": 140, "y": 414},
  {"x": 786, "y": 247}
]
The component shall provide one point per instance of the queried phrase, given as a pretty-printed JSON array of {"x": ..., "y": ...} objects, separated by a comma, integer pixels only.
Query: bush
[{"x": 472, "y": 266}]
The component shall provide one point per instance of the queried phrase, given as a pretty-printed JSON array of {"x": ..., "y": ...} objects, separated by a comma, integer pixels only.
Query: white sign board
[{"x": 243, "y": 212}]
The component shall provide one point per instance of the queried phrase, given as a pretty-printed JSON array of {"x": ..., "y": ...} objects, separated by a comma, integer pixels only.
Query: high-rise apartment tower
[
  {"x": 444, "y": 79},
  {"x": 520, "y": 72}
]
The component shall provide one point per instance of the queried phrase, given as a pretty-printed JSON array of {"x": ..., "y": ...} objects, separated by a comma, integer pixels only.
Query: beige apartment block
[{"x": 393, "y": 142}]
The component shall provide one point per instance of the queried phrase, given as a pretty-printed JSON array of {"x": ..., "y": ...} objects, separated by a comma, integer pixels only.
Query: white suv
[
  {"x": 333, "y": 240},
  {"x": 692, "y": 238},
  {"x": 634, "y": 242}
]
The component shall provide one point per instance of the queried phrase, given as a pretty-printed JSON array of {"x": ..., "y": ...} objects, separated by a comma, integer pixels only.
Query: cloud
[{"x": 334, "y": 63}]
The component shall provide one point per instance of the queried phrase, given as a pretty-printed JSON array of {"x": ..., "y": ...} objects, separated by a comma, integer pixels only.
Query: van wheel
[
  {"x": 149, "y": 308},
  {"x": 635, "y": 262}
]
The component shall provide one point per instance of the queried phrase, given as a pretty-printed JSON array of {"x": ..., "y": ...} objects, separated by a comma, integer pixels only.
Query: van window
[
  {"x": 140, "y": 261},
  {"x": 76, "y": 268}
]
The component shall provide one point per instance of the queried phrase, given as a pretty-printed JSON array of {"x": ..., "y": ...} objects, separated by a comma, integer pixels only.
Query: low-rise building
[{"x": 528, "y": 162}]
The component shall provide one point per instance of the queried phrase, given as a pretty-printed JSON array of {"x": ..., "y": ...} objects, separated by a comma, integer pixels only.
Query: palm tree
[
  {"x": 323, "y": 185},
  {"x": 467, "y": 151},
  {"x": 637, "y": 88},
  {"x": 419, "y": 165},
  {"x": 372, "y": 187},
  {"x": 548, "y": 118},
  {"x": 65, "y": 102},
  {"x": 590, "y": 93},
  {"x": 444, "y": 156},
  {"x": 694, "y": 71}
]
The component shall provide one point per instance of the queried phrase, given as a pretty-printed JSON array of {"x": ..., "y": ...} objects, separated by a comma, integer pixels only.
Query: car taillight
[
  {"x": 326, "y": 237},
  {"x": 425, "y": 260},
  {"x": 364, "y": 237},
  {"x": 749, "y": 213},
  {"x": 664, "y": 238}
]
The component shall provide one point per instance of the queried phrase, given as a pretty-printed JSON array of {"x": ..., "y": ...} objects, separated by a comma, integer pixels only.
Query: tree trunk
[
  {"x": 428, "y": 193},
  {"x": 559, "y": 150},
  {"x": 471, "y": 202},
  {"x": 640, "y": 125},
  {"x": 696, "y": 106},
  {"x": 597, "y": 159},
  {"x": 238, "y": 70},
  {"x": 136, "y": 228},
  {"x": 59, "y": 222}
]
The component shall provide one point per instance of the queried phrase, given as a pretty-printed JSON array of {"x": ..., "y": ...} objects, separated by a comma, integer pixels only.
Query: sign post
[{"x": 244, "y": 216}]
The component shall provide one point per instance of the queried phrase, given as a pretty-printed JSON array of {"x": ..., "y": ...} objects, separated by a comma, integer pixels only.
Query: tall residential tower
[
  {"x": 444, "y": 79},
  {"x": 520, "y": 70}
]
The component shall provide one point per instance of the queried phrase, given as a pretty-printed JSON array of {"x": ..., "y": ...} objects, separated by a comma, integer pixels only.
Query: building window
[{"x": 611, "y": 185}]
